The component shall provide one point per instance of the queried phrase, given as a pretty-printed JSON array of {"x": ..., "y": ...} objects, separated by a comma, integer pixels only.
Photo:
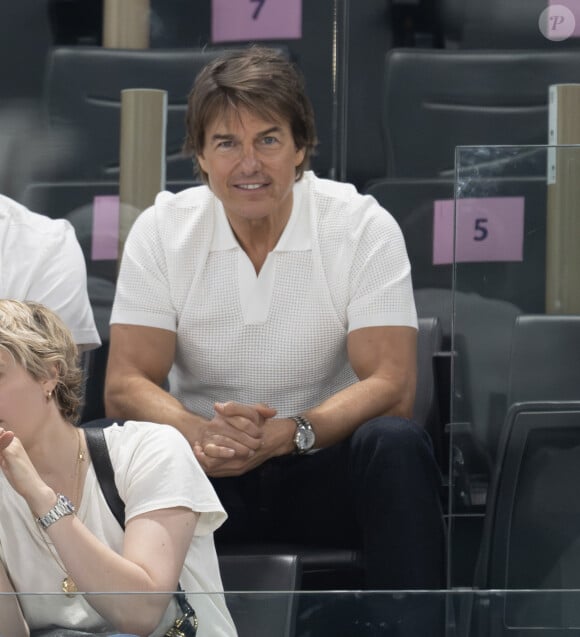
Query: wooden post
[
  {"x": 126, "y": 24},
  {"x": 142, "y": 154},
  {"x": 563, "y": 221}
]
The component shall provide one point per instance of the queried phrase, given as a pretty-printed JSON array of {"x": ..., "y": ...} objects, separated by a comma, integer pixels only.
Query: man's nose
[{"x": 249, "y": 160}]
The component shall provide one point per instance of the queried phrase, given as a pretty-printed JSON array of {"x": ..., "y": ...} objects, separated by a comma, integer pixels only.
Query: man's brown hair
[{"x": 260, "y": 80}]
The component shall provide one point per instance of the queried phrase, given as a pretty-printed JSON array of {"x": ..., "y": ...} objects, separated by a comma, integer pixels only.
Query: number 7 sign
[{"x": 249, "y": 20}]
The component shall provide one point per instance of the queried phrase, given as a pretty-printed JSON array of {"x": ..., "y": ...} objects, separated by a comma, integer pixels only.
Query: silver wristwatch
[
  {"x": 62, "y": 507},
  {"x": 304, "y": 438}
]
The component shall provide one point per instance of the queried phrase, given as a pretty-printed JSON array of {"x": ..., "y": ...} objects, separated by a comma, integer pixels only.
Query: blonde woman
[{"x": 57, "y": 533}]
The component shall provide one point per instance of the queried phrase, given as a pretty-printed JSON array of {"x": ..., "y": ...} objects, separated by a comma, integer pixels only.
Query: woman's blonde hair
[{"x": 38, "y": 340}]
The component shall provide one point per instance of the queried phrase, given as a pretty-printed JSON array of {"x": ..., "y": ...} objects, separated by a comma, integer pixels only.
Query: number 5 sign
[
  {"x": 487, "y": 229},
  {"x": 247, "y": 20}
]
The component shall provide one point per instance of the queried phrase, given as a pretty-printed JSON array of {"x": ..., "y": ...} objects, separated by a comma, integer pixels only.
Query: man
[
  {"x": 280, "y": 306},
  {"x": 41, "y": 260}
]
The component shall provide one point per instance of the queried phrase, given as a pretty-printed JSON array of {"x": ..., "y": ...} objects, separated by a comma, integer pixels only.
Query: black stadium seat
[
  {"x": 435, "y": 100},
  {"x": 90, "y": 105}
]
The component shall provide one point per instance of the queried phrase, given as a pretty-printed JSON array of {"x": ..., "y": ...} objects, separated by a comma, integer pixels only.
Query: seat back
[
  {"x": 435, "y": 100},
  {"x": 90, "y": 102},
  {"x": 532, "y": 527},
  {"x": 545, "y": 358},
  {"x": 255, "y": 588},
  {"x": 542, "y": 353},
  {"x": 472, "y": 24}
]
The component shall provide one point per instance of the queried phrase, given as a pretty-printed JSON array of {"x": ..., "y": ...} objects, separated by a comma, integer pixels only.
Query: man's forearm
[
  {"x": 138, "y": 398},
  {"x": 333, "y": 420},
  {"x": 340, "y": 415}
]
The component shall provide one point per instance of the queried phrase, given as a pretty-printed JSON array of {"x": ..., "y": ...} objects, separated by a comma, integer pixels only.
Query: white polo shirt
[{"x": 278, "y": 337}]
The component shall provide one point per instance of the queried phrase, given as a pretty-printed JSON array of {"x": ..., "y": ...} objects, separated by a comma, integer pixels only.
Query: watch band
[
  {"x": 303, "y": 421},
  {"x": 62, "y": 507}
]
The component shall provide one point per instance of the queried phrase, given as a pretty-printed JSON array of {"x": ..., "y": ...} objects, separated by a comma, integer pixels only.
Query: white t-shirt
[
  {"x": 154, "y": 469},
  {"x": 41, "y": 260},
  {"x": 279, "y": 337}
]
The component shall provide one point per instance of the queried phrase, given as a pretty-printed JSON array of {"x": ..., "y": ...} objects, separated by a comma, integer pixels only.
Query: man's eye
[
  {"x": 226, "y": 143},
  {"x": 269, "y": 140}
]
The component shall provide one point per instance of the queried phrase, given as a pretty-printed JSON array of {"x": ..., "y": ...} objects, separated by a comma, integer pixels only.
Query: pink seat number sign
[
  {"x": 105, "y": 233},
  {"x": 487, "y": 229},
  {"x": 244, "y": 20}
]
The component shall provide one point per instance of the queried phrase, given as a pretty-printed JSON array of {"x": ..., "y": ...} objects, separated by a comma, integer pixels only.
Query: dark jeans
[{"x": 378, "y": 490}]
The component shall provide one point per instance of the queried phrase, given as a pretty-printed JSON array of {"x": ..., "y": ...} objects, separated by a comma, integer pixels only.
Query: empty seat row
[{"x": 425, "y": 103}]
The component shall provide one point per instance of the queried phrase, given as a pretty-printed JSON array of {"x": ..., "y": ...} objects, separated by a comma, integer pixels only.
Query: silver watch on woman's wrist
[
  {"x": 62, "y": 507},
  {"x": 304, "y": 438}
]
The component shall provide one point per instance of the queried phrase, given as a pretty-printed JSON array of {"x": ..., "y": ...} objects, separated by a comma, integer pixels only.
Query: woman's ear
[{"x": 51, "y": 381}]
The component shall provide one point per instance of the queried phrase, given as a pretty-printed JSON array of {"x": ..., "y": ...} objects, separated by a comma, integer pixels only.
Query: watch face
[
  {"x": 63, "y": 505},
  {"x": 304, "y": 438}
]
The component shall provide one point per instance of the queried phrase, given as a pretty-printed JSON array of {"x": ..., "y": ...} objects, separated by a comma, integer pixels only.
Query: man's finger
[
  {"x": 265, "y": 410},
  {"x": 216, "y": 451}
]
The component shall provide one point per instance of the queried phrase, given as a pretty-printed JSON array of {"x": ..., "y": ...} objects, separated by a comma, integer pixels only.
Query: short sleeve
[
  {"x": 42, "y": 261},
  {"x": 381, "y": 290},
  {"x": 155, "y": 469},
  {"x": 143, "y": 294},
  {"x": 61, "y": 284}
]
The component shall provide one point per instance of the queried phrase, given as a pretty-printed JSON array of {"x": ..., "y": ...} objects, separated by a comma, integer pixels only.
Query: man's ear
[
  {"x": 201, "y": 161},
  {"x": 300, "y": 154}
]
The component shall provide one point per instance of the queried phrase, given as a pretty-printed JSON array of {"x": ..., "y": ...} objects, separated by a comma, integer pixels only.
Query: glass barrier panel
[
  {"x": 516, "y": 370},
  {"x": 255, "y": 614},
  {"x": 459, "y": 613}
]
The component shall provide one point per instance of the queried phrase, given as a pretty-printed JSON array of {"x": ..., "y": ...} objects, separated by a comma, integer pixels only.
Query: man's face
[{"x": 251, "y": 165}]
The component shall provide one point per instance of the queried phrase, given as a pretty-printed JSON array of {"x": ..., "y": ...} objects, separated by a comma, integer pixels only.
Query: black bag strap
[
  {"x": 101, "y": 459},
  {"x": 99, "y": 452}
]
